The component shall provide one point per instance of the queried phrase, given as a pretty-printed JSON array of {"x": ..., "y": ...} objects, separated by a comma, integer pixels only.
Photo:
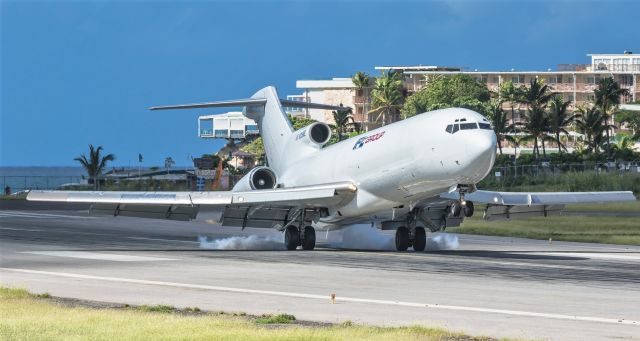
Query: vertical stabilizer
[{"x": 275, "y": 127}]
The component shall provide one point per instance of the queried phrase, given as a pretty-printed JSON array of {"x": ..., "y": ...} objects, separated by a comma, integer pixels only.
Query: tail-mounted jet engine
[
  {"x": 316, "y": 134},
  {"x": 258, "y": 178}
]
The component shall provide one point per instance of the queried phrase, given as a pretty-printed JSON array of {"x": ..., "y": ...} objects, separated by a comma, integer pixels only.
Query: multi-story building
[
  {"x": 575, "y": 82},
  {"x": 231, "y": 125}
]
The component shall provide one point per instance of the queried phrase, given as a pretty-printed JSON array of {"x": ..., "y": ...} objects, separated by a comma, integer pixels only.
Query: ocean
[{"x": 22, "y": 178}]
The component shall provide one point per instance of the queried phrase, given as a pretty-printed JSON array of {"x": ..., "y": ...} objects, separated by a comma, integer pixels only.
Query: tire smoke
[
  {"x": 252, "y": 242},
  {"x": 365, "y": 237}
]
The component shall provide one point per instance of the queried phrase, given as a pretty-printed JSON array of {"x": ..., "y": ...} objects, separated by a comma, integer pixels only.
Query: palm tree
[
  {"x": 559, "y": 119},
  {"x": 500, "y": 124},
  {"x": 512, "y": 94},
  {"x": 95, "y": 164},
  {"x": 591, "y": 123},
  {"x": 387, "y": 96},
  {"x": 535, "y": 123},
  {"x": 536, "y": 97},
  {"x": 607, "y": 95},
  {"x": 343, "y": 119},
  {"x": 362, "y": 82}
]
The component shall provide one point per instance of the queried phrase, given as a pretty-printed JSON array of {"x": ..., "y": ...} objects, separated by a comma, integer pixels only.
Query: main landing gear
[
  {"x": 294, "y": 237},
  {"x": 406, "y": 238}
]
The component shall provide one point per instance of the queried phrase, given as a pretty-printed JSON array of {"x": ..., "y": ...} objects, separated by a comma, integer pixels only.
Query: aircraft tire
[
  {"x": 420, "y": 241},
  {"x": 309, "y": 241},
  {"x": 468, "y": 209},
  {"x": 291, "y": 238},
  {"x": 402, "y": 238}
]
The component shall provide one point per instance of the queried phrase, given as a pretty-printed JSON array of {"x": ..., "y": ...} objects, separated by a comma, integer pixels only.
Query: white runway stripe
[
  {"x": 97, "y": 256},
  {"x": 25, "y": 214},
  {"x": 326, "y": 297}
]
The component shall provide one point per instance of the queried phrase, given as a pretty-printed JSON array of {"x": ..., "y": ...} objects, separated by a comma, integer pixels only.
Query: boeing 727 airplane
[{"x": 415, "y": 174}]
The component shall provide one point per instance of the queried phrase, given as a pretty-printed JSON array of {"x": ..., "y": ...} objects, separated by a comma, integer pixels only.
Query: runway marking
[
  {"x": 164, "y": 240},
  {"x": 326, "y": 297},
  {"x": 97, "y": 256},
  {"x": 14, "y": 229},
  {"x": 632, "y": 256},
  {"x": 23, "y": 214}
]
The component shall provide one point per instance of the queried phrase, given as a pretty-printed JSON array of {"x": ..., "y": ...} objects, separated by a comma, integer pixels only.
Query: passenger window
[
  {"x": 485, "y": 126},
  {"x": 449, "y": 128},
  {"x": 455, "y": 128},
  {"x": 467, "y": 126}
]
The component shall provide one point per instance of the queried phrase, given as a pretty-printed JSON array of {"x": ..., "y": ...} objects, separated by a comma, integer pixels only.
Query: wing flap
[
  {"x": 543, "y": 198},
  {"x": 261, "y": 208}
]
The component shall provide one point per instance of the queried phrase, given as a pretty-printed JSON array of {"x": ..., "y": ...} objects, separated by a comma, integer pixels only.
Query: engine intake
[
  {"x": 258, "y": 178},
  {"x": 319, "y": 133}
]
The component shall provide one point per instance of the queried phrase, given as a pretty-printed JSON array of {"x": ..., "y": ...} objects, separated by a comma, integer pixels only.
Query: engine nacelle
[
  {"x": 260, "y": 177},
  {"x": 316, "y": 134}
]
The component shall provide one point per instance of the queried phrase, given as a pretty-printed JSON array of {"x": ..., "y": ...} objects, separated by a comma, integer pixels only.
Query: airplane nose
[
  {"x": 481, "y": 150},
  {"x": 482, "y": 146}
]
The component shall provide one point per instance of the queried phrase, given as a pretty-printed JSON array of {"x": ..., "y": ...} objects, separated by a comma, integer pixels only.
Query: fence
[
  {"x": 499, "y": 174},
  {"x": 188, "y": 183}
]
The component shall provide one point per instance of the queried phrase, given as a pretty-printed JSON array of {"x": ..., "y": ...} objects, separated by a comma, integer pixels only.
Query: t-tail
[{"x": 265, "y": 107}]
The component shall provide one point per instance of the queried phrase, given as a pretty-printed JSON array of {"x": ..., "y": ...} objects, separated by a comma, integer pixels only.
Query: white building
[{"x": 231, "y": 125}]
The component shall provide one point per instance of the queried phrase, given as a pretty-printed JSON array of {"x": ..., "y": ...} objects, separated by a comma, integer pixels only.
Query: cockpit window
[{"x": 462, "y": 124}]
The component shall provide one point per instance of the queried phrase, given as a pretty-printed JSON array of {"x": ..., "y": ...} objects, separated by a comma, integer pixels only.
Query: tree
[
  {"x": 343, "y": 120},
  {"x": 512, "y": 94},
  {"x": 535, "y": 123},
  {"x": 95, "y": 164},
  {"x": 361, "y": 81},
  {"x": 256, "y": 147},
  {"x": 560, "y": 119},
  {"x": 632, "y": 119},
  {"x": 591, "y": 123},
  {"x": 387, "y": 96},
  {"x": 500, "y": 124},
  {"x": 607, "y": 95},
  {"x": 168, "y": 163},
  {"x": 446, "y": 92}
]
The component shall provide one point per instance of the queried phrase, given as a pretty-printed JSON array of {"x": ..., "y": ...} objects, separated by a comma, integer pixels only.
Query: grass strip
[{"x": 25, "y": 316}]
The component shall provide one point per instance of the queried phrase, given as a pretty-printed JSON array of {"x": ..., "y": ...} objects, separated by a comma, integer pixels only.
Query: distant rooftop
[{"x": 419, "y": 68}]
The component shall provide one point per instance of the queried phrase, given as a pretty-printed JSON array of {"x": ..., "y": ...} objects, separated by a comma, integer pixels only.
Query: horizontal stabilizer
[
  {"x": 251, "y": 102},
  {"x": 230, "y": 103}
]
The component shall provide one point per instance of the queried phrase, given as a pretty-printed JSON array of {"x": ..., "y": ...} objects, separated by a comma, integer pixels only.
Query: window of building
[
  {"x": 570, "y": 97},
  {"x": 496, "y": 79}
]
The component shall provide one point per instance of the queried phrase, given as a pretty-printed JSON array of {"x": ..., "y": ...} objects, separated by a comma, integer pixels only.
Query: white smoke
[
  {"x": 442, "y": 241},
  {"x": 365, "y": 237},
  {"x": 251, "y": 242}
]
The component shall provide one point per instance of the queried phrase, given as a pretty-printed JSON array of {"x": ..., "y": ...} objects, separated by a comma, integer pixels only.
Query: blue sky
[{"x": 76, "y": 72}]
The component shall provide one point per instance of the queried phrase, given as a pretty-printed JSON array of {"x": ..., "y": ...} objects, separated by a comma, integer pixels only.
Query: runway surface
[{"x": 500, "y": 287}]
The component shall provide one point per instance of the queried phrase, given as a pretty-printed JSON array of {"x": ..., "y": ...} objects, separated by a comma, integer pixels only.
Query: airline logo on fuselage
[{"x": 366, "y": 139}]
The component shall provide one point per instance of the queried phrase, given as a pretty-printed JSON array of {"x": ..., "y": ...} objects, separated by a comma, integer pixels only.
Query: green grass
[
  {"x": 612, "y": 230},
  {"x": 633, "y": 206},
  {"x": 279, "y": 318},
  {"x": 24, "y": 316}
]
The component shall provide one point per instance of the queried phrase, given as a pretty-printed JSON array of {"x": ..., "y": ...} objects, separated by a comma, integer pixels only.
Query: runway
[{"x": 500, "y": 287}]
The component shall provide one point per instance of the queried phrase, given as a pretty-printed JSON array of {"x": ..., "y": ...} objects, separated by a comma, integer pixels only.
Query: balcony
[{"x": 359, "y": 100}]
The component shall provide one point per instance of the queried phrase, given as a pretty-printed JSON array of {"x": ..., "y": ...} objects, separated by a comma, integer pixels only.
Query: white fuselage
[{"x": 398, "y": 164}]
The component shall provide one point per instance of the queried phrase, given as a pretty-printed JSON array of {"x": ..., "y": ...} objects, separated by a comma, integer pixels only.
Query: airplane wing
[
  {"x": 508, "y": 205},
  {"x": 259, "y": 208}
]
